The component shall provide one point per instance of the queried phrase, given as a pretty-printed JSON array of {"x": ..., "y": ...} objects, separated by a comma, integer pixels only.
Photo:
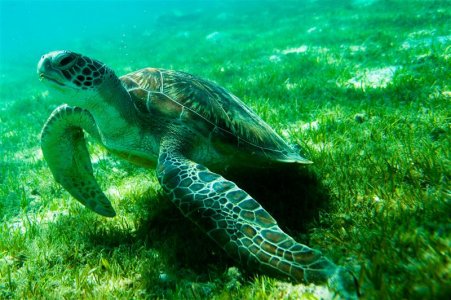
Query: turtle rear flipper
[
  {"x": 64, "y": 149},
  {"x": 233, "y": 219}
]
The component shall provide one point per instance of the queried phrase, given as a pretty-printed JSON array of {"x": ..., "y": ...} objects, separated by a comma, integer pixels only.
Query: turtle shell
[{"x": 205, "y": 105}]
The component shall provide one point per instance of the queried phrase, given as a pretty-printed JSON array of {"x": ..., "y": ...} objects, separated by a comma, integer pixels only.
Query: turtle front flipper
[
  {"x": 64, "y": 148},
  {"x": 232, "y": 218}
]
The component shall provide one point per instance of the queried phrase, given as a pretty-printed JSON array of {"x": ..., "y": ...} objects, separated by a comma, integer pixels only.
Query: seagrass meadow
[{"x": 362, "y": 87}]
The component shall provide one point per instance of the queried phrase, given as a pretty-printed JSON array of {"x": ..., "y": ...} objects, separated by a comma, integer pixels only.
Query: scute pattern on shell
[{"x": 211, "y": 102}]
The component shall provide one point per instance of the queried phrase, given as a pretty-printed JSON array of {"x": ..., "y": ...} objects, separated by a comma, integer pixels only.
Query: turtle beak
[
  {"x": 46, "y": 71},
  {"x": 43, "y": 65}
]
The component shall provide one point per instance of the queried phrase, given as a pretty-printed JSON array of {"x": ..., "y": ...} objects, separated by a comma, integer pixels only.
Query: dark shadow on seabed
[{"x": 292, "y": 194}]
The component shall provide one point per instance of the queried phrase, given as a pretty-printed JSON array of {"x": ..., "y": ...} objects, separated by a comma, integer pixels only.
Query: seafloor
[{"x": 362, "y": 86}]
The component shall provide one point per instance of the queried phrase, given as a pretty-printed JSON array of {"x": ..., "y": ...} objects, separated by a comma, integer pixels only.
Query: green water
[{"x": 362, "y": 86}]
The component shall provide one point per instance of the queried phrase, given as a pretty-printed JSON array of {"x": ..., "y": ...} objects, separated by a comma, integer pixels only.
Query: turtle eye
[{"x": 66, "y": 61}]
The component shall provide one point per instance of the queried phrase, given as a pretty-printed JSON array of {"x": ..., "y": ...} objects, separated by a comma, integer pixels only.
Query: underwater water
[{"x": 361, "y": 86}]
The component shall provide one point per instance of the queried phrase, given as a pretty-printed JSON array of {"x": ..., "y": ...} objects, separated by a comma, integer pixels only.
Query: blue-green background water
[
  {"x": 172, "y": 34},
  {"x": 31, "y": 26},
  {"x": 189, "y": 34},
  {"x": 125, "y": 30}
]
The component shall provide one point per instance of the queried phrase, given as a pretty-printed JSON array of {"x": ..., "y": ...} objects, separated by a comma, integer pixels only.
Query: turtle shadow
[
  {"x": 293, "y": 195},
  {"x": 185, "y": 246}
]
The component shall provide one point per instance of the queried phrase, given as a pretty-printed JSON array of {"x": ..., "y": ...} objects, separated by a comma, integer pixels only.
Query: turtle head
[{"x": 72, "y": 72}]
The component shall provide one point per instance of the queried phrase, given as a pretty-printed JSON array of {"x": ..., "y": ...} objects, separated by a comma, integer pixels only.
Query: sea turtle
[{"x": 185, "y": 126}]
